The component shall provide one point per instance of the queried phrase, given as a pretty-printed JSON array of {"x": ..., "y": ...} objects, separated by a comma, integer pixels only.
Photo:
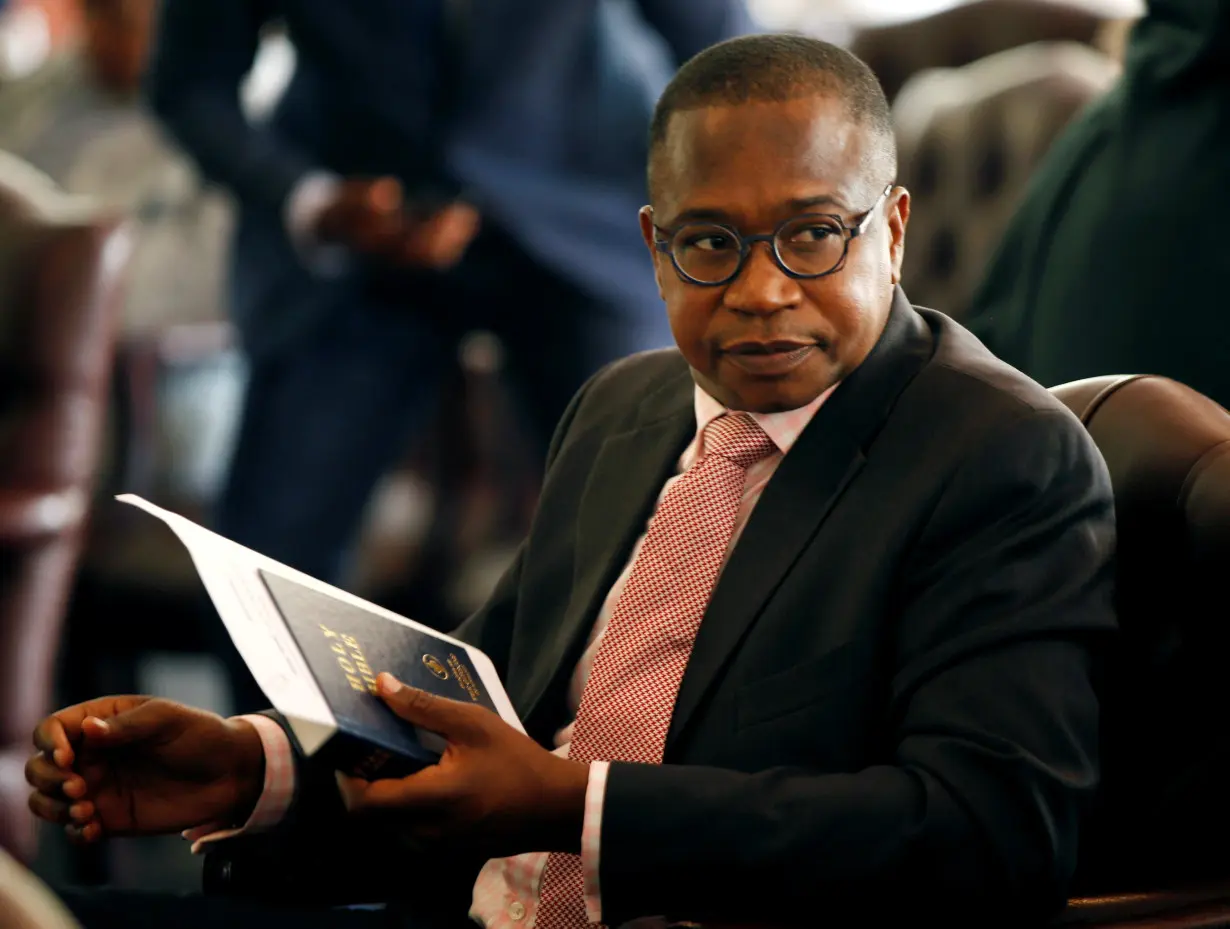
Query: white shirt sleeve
[{"x": 306, "y": 202}]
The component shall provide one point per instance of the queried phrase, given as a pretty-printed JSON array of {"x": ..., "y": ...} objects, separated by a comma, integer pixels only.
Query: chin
[
  {"x": 738, "y": 390},
  {"x": 780, "y": 395},
  {"x": 773, "y": 397}
]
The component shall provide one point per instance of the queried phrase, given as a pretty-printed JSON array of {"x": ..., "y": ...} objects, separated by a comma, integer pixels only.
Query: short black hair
[{"x": 774, "y": 69}]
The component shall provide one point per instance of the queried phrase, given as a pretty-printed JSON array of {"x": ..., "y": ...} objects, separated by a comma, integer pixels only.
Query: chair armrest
[
  {"x": 266, "y": 868},
  {"x": 1193, "y": 907},
  {"x": 275, "y": 868},
  {"x": 31, "y": 515},
  {"x": 351, "y": 866}
]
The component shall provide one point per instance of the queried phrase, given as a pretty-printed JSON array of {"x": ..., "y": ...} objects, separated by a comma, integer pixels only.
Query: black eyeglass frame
[{"x": 746, "y": 242}]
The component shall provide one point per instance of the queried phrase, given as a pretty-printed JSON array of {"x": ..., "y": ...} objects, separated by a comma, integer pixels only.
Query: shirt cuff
[
  {"x": 591, "y": 838},
  {"x": 276, "y": 795},
  {"x": 307, "y": 200}
]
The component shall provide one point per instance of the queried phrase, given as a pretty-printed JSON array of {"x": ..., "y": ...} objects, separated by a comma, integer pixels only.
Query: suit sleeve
[
  {"x": 201, "y": 52},
  {"x": 1004, "y": 604},
  {"x": 689, "y": 28}
]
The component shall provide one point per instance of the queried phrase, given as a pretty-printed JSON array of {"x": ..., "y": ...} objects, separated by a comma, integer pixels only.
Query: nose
[{"x": 762, "y": 287}]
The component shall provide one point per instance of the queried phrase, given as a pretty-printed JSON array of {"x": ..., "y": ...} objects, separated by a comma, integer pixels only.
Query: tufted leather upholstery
[
  {"x": 970, "y": 139},
  {"x": 967, "y": 32},
  {"x": 60, "y": 263},
  {"x": 1165, "y": 807}
]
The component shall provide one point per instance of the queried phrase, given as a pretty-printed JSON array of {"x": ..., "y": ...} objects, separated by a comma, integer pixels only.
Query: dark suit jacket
[{"x": 889, "y": 702}]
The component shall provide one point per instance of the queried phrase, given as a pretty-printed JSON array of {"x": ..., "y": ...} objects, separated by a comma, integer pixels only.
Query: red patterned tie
[{"x": 628, "y": 699}]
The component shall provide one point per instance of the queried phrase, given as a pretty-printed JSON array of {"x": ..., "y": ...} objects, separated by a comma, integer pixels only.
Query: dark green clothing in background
[{"x": 1114, "y": 263}]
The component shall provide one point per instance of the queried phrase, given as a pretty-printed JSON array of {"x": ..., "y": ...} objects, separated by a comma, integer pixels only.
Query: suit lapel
[
  {"x": 808, "y": 482},
  {"x": 615, "y": 506}
]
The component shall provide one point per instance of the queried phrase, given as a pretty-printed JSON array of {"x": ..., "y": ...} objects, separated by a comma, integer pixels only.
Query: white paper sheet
[{"x": 229, "y": 572}]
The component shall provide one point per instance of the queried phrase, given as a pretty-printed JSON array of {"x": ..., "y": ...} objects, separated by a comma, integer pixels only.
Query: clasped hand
[
  {"x": 371, "y": 217},
  {"x": 142, "y": 766}
]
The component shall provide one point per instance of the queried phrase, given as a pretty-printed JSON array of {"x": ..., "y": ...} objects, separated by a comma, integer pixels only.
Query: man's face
[{"x": 766, "y": 342}]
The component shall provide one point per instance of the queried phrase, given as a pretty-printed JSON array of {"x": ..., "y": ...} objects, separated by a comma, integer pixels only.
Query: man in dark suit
[
  {"x": 807, "y": 613},
  {"x": 434, "y": 167}
]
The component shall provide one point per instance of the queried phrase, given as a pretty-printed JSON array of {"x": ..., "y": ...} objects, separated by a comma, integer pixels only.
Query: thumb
[
  {"x": 463, "y": 215},
  {"x": 136, "y": 725},
  {"x": 448, "y": 718},
  {"x": 457, "y": 223}
]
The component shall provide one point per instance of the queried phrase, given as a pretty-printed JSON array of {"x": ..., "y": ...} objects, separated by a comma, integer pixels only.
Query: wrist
[
  {"x": 248, "y": 768},
  {"x": 566, "y": 785}
]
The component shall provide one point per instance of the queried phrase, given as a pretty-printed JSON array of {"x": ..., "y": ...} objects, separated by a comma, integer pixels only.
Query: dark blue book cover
[{"x": 345, "y": 647}]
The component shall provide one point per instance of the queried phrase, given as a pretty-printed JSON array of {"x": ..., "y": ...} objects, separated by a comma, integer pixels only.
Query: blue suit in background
[{"x": 535, "y": 111}]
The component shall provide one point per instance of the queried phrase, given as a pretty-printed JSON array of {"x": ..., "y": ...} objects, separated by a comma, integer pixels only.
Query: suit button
[{"x": 516, "y": 911}]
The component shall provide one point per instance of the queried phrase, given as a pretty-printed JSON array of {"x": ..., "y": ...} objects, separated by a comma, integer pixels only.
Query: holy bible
[{"x": 315, "y": 651}]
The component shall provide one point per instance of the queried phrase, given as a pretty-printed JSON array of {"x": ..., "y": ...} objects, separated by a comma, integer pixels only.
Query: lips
[
  {"x": 771, "y": 358},
  {"x": 771, "y": 347}
]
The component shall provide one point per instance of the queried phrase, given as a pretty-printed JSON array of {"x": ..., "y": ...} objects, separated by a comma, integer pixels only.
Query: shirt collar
[{"x": 783, "y": 429}]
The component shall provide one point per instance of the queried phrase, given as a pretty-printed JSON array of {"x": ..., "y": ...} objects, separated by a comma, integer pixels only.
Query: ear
[
  {"x": 898, "y": 219},
  {"x": 649, "y": 234}
]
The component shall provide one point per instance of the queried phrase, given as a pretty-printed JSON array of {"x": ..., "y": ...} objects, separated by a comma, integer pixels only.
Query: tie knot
[{"x": 738, "y": 438}]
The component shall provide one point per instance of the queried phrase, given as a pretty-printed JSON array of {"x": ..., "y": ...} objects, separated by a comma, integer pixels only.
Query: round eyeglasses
[{"x": 804, "y": 247}]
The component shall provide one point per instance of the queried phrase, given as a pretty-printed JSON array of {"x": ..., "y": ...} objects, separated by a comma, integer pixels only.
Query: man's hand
[
  {"x": 440, "y": 240},
  {"x": 371, "y": 217},
  {"x": 494, "y": 789},
  {"x": 142, "y": 766}
]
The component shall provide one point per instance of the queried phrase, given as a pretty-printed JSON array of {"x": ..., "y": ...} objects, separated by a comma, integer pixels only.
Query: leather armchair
[
  {"x": 60, "y": 267},
  {"x": 1151, "y": 856},
  {"x": 1154, "y": 851}
]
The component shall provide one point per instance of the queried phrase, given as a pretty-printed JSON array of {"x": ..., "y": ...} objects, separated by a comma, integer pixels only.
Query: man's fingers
[
  {"x": 453, "y": 227},
  {"x": 57, "y": 734},
  {"x": 384, "y": 196},
  {"x": 51, "y": 738},
  {"x": 460, "y": 222},
  {"x": 449, "y": 718},
  {"x": 45, "y": 775},
  {"x": 377, "y": 222},
  {"x": 361, "y": 212},
  {"x": 84, "y": 835},
  {"x": 49, "y": 808},
  {"x": 441, "y": 240},
  {"x": 82, "y": 812},
  {"x": 383, "y": 239}
]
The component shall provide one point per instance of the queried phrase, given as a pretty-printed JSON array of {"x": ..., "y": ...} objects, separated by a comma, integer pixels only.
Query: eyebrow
[
  {"x": 823, "y": 200},
  {"x": 799, "y": 205}
]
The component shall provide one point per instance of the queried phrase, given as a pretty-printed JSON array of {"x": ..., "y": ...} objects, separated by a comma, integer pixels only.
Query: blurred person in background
[
  {"x": 78, "y": 118},
  {"x": 1114, "y": 262},
  {"x": 433, "y": 168}
]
